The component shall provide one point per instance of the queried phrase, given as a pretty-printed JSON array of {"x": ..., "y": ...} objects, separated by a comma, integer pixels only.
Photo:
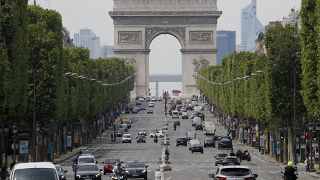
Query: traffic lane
[
  {"x": 144, "y": 152},
  {"x": 187, "y": 165}
]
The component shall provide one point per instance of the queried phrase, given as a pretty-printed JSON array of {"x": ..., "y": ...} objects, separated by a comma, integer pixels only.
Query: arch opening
[{"x": 165, "y": 60}]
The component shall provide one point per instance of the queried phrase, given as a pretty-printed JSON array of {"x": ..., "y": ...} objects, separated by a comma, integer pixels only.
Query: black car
[
  {"x": 149, "y": 111},
  {"x": 141, "y": 138},
  {"x": 88, "y": 171},
  {"x": 196, "y": 148},
  {"x": 225, "y": 143},
  {"x": 200, "y": 115},
  {"x": 199, "y": 126},
  {"x": 230, "y": 160},
  {"x": 182, "y": 141},
  {"x": 61, "y": 172},
  {"x": 127, "y": 110},
  {"x": 136, "y": 169},
  {"x": 219, "y": 158},
  {"x": 209, "y": 142}
]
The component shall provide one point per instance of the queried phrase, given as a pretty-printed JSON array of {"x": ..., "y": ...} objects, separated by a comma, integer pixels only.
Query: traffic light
[
  {"x": 314, "y": 136},
  {"x": 281, "y": 135}
]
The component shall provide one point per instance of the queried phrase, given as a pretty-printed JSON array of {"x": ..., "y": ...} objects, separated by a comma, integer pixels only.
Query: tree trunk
[
  {"x": 285, "y": 149},
  {"x": 291, "y": 145}
]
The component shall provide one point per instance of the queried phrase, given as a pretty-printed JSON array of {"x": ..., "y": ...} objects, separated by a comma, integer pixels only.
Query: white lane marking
[{"x": 169, "y": 178}]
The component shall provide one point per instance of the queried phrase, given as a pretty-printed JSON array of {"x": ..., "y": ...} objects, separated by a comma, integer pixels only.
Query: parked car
[
  {"x": 225, "y": 143},
  {"x": 126, "y": 138},
  {"x": 88, "y": 171},
  {"x": 108, "y": 165},
  {"x": 219, "y": 158},
  {"x": 230, "y": 160},
  {"x": 136, "y": 169},
  {"x": 61, "y": 172},
  {"x": 181, "y": 141},
  {"x": 234, "y": 172},
  {"x": 141, "y": 138},
  {"x": 209, "y": 142},
  {"x": 34, "y": 171}
]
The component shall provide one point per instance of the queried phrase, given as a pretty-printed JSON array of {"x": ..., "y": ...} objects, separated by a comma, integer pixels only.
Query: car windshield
[
  {"x": 88, "y": 168},
  {"x": 135, "y": 165},
  {"x": 221, "y": 155},
  {"x": 59, "y": 168},
  {"x": 126, "y": 136},
  {"x": 141, "y": 137},
  {"x": 230, "y": 159},
  {"x": 112, "y": 161},
  {"x": 35, "y": 174},
  {"x": 235, "y": 172},
  {"x": 225, "y": 139},
  {"x": 86, "y": 160}
]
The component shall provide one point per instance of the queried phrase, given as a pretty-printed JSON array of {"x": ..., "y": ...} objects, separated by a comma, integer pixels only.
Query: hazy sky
[{"x": 93, "y": 14}]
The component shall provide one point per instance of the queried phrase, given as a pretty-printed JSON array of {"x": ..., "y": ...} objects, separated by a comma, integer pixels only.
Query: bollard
[{"x": 157, "y": 175}]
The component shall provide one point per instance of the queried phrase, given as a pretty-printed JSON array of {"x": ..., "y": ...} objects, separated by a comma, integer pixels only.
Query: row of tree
[
  {"x": 264, "y": 88},
  {"x": 62, "y": 84}
]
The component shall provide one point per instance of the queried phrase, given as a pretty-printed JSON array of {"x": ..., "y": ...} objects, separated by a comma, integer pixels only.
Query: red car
[{"x": 109, "y": 164}]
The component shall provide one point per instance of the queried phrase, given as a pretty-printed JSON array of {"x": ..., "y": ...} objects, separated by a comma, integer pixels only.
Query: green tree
[
  {"x": 13, "y": 24},
  {"x": 309, "y": 58},
  {"x": 282, "y": 44}
]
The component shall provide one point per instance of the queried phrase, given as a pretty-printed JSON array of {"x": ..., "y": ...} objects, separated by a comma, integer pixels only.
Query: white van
[
  {"x": 209, "y": 128},
  {"x": 175, "y": 114},
  {"x": 34, "y": 171}
]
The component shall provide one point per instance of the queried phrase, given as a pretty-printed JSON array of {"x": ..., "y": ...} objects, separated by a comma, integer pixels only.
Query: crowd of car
[{"x": 229, "y": 164}]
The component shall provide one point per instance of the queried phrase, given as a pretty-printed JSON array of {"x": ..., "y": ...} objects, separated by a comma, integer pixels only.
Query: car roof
[
  {"x": 30, "y": 165},
  {"x": 86, "y": 164},
  {"x": 86, "y": 156},
  {"x": 126, "y": 134},
  {"x": 234, "y": 166}
]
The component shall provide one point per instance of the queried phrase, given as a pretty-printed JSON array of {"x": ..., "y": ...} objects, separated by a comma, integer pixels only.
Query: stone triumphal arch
[{"x": 192, "y": 22}]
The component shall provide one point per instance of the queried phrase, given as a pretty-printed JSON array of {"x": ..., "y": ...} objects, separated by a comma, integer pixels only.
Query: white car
[
  {"x": 175, "y": 114},
  {"x": 153, "y": 98},
  {"x": 84, "y": 159},
  {"x": 34, "y": 171},
  {"x": 126, "y": 138},
  {"x": 151, "y": 104},
  {"x": 156, "y": 133}
]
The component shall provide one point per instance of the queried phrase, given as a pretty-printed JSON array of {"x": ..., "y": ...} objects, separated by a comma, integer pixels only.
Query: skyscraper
[
  {"x": 88, "y": 39},
  {"x": 107, "y": 51},
  {"x": 250, "y": 27},
  {"x": 226, "y": 44}
]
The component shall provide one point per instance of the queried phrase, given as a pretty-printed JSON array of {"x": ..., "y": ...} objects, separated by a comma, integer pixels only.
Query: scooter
[
  {"x": 247, "y": 156},
  {"x": 295, "y": 172},
  {"x": 118, "y": 177}
]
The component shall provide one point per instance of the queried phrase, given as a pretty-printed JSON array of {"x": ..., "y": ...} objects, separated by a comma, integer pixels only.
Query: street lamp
[
  {"x": 36, "y": 142},
  {"x": 14, "y": 131}
]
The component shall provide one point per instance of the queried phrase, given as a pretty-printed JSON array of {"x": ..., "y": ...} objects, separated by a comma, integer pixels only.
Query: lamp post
[
  {"x": 36, "y": 142},
  {"x": 14, "y": 131}
]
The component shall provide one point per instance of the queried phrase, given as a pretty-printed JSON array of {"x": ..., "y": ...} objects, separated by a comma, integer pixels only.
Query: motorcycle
[
  {"x": 247, "y": 156},
  {"x": 290, "y": 178},
  {"x": 155, "y": 140},
  {"x": 118, "y": 175}
]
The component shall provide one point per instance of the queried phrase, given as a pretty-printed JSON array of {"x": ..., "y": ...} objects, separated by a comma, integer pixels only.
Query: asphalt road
[{"x": 185, "y": 165}]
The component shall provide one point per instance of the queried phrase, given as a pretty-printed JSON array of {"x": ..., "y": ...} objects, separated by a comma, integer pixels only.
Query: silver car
[{"x": 233, "y": 172}]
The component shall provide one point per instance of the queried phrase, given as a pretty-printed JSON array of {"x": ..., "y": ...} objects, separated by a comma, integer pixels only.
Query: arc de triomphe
[{"x": 192, "y": 22}]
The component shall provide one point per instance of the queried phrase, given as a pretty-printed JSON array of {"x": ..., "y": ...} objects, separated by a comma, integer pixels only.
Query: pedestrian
[
  {"x": 307, "y": 163},
  {"x": 111, "y": 137}
]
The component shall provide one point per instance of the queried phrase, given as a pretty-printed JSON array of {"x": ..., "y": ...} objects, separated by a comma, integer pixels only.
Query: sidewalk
[
  {"x": 94, "y": 145},
  {"x": 256, "y": 153}
]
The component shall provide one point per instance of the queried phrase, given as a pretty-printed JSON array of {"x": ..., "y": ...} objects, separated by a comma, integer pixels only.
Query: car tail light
[{"x": 221, "y": 178}]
